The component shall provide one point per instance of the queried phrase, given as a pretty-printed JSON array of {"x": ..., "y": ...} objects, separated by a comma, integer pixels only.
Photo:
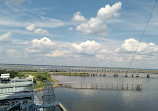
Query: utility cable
[
  {"x": 142, "y": 35},
  {"x": 137, "y": 46}
]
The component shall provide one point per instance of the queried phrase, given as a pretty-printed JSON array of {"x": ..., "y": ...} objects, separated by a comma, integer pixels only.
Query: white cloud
[
  {"x": 145, "y": 57},
  {"x": 10, "y": 22},
  {"x": 41, "y": 31},
  {"x": 100, "y": 56},
  {"x": 69, "y": 29},
  {"x": 138, "y": 57},
  {"x": 40, "y": 22},
  {"x": 48, "y": 22},
  {"x": 5, "y": 37},
  {"x": 14, "y": 2},
  {"x": 89, "y": 47},
  {"x": 118, "y": 59},
  {"x": 130, "y": 45},
  {"x": 38, "y": 31},
  {"x": 93, "y": 26},
  {"x": 78, "y": 17},
  {"x": 31, "y": 27},
  {"x": 58, "y": 53},
  {"x": 15, "y": 53},
  {"x": 11, "y": 52},
  {"x": 105, "y": 51},
  {"x": 17, "y": 31},
  {"x": 109, "y": 11},
  {"x": 75, "y": 49},
  {"x": 20, "y": 42},
  {"x": 97, "y": 25},
  {"x": 38, "y": 45},
  {"x": 81, "y": 53},
  {"x": 43, "y": 41}
]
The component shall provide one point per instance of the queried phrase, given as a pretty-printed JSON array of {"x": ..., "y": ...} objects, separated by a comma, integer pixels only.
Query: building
[{"x": 16, "y": 95}]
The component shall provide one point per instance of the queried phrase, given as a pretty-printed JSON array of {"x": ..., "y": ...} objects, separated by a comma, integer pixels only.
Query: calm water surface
[{"x": 109, "y": 100}]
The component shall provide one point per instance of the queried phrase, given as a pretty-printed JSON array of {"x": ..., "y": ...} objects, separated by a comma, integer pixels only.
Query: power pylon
[{"x": 48, "y": 96}]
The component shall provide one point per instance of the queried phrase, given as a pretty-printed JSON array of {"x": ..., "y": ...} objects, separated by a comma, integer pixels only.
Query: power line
[
  {"x": 137, "y": 46},
  {"x": 142, "y": 34}
]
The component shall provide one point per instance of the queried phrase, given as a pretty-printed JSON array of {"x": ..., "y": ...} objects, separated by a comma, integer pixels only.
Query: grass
[
  {"x": 70, "y": 74},
  {"x": 39, "y": 83}
]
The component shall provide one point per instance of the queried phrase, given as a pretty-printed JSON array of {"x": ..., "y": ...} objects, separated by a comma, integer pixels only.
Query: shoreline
[{"x": 54, "y": 86}]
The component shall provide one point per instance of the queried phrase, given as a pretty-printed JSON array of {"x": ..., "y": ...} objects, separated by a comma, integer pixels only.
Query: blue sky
[{"x": 78, "y": 32}]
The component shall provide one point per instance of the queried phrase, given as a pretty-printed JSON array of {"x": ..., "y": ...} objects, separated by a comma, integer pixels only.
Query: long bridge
[
  {"x": 100, "y": 86},
  {"x": 90, "y": 70}
]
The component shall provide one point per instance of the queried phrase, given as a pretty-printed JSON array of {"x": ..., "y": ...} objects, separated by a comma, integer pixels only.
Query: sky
[{"x": 98, "y": 33}]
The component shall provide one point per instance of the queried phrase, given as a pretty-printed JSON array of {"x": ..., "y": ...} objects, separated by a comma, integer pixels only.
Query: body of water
[{"x": 109, "y": 100}]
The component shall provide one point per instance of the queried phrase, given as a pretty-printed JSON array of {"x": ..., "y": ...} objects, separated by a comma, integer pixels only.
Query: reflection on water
[{"x": 103, "y": 100}]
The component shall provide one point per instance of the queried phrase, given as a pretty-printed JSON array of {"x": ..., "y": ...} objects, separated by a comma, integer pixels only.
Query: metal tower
[{"x": 48, "y": 96}]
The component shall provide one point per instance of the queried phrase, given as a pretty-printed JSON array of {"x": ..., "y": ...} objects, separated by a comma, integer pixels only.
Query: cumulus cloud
[
  {"x": 97, "y": 25},
  {"x": 74, "y": 49},
  {"x": 93, "y": 26},
  {"x": 109, "y": 11},
  {"x": 38, "y": 31},
  {"x": 5, "y": 37},
  {"x": 78, "y": 17},
  {"x": 58, "y": 53},
  {"x": 130, "y": 45},
  {"x": 89, "y": 47},
  {"x": 38, "y": 45}
]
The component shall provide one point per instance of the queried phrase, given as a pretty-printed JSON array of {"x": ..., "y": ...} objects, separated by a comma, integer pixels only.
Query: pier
[{"x": 101, "y": 86}]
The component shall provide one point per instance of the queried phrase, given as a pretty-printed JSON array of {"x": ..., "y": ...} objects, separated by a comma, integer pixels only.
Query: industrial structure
[
  {"x": 18, "y": 95},
  {"x": 48, "y": 96}
]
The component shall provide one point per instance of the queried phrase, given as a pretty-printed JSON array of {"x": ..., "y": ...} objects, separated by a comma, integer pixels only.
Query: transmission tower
[{"x": 48, "y": 96}]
